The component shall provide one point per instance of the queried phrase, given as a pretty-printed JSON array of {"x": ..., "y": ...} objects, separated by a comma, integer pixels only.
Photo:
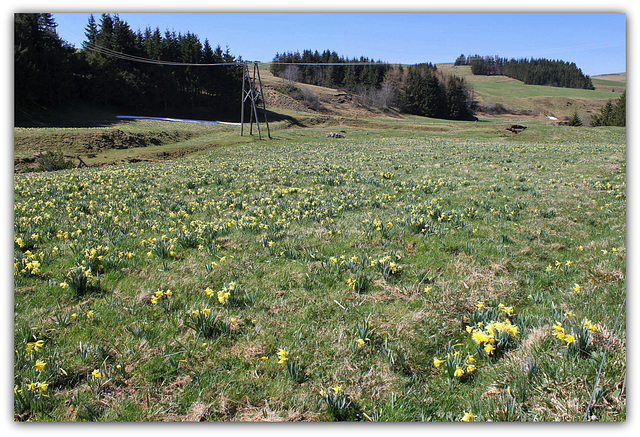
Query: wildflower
[
  {"x": 282, "y": 355},
  {"x": 568, "y": 263},
  {"x": 74, "y": 316},
  {"x": 40, "y": 365},
  {"x": 360, "y": 342},
  {"x": 570, "y": 339},
  {"x": 489, "y": 348},
  {"x": 459, "y": 372},
  {"x": 96, "y": 374},
  {"x": 337, "y": 389},
  {"x": 223, "y": 296},
  {"x": 427, "y": 289},
  {"x": 90, "y": 313},
  {"x": 576, "y": 287},
  {"x": 588, "y": 325},
  {"x": 437, "y": 362},
  {"x": 480, "y": 306},
  {"x": 549, "y": 268},
  {"x": 470, "y": 368},
  {"x": 468, "y": 417}
]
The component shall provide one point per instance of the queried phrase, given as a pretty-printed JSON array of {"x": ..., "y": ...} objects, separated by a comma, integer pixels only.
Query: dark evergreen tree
[
  {"x": 575, "y": 119},
  {"x": 612, "y": 114},
  {"x": 43, "y": 64},
  {"x": 458, "y": 99}
]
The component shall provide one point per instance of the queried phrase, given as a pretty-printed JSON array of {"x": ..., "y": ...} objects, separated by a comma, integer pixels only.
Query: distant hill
[
  {"x": 616, "y": 77},
  {"x": 505, "y": 96}
]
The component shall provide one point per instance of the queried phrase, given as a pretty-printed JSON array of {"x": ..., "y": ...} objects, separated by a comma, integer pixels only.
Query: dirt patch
[{"x": 334, "y": 102}]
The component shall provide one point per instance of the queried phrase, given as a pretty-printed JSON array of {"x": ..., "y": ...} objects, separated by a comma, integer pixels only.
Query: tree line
[
  {"x": 416, "y": 89},
  {"x": 366, "y": 73},
  {"x": 530, "y": 71},
  {"x": 52, "y": 74}
]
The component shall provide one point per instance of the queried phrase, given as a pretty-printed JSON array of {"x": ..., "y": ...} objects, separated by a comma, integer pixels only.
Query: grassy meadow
[{"x": 418, "y": 272}]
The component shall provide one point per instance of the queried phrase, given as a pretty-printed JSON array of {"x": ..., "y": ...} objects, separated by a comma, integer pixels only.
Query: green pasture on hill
[{"x": 415, "y": 270}]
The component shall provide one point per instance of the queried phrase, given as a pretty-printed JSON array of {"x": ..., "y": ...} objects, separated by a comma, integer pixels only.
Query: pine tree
[{"x": 575, "y": 119}]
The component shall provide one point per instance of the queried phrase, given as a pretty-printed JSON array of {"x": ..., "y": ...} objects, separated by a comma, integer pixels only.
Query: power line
[
  {"x": 327, "y": 63},
  {"x": 133, "y": 58}
]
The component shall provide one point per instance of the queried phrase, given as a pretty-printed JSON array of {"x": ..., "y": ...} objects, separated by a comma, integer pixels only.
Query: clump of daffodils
[
  {"x": 27, "y": 263},
  {"x": 81, "y": 280},
  {"x": 162, "y": 299},
  {"x": 340, "y": 407},
  {"x": 457, "y": 365},
  {"x": 388, "y": 265},
  {"x": 577, "y": 337},
  {"x": 228, "y": 293},
  {"x": 494, "y": 337},
  {"x": 491, "y": 329}
]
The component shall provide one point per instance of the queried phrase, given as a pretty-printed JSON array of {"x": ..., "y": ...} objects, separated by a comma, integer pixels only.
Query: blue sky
[{"x": 596, "y": 42}]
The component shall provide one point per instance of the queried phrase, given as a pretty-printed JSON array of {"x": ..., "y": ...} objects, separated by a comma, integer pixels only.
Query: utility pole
[{"x": 252, "y": 91}]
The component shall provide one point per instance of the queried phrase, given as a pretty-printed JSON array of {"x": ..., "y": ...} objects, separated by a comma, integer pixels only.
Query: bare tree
[{"x": 291, "y": 73}]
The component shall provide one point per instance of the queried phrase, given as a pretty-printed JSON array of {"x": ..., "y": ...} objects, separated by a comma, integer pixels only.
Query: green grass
[
  {"x": 514, "y": 95},
  {"x": 395, "y": 235}
]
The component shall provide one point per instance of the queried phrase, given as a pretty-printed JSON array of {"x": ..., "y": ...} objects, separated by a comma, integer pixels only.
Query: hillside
[{"x": 498, "y": 97}]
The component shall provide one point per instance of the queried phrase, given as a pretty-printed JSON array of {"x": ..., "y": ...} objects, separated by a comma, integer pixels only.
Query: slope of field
[{"x": 536, "y": 101}]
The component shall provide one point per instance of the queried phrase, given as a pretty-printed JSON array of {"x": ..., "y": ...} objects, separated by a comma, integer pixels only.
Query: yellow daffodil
[{"x": 468, "y": 417}]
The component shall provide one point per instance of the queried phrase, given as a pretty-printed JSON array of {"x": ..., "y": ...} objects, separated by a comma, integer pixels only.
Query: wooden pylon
[{"x": 253, "y": 92}]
